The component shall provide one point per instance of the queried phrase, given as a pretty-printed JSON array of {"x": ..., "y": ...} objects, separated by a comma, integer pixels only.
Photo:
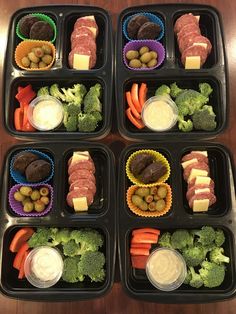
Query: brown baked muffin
[
  {"x": 25, "y": 24},
  {"x": 22, "y": 160},
  {"x": 148, "y": 30},
  {"x": 134, "y": 24},
  {"x": 41, "y": 31},
  {"x": 37, "y": 170}
]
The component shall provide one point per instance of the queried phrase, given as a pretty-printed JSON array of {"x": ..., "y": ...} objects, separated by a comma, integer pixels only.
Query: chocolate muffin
[
  {"x": 134, "y": 24},
  {"x": 140, "y": 162},
  {"x": 25, "y": 24},
  {"x": 149, "y": 30},
  {"x": 41, "y": 31},
  {"x": 22, "y": 160},
  {"x": 153, "y": 172},
  {"x": 37, "y": 170}
]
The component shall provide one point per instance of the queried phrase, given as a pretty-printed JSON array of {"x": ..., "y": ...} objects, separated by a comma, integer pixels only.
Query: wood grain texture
[{"x": 116, "y": 301}]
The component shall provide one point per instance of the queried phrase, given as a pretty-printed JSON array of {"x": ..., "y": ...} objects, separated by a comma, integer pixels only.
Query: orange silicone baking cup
[
  {"x": 26, "y": 46},
  {"x": 137, "y": 211}
]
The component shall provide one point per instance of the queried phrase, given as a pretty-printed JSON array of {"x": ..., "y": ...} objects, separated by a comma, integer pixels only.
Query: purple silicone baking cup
[
  {"x": 152, "y": 45},
  {"x": 17, "y": 206}
]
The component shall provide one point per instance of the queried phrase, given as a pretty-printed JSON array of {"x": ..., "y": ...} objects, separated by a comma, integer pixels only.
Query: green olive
[
  {"x": 132, "y": 54},
  {"x": 35, "y": 195},
  {"x": 25, "y": 62},
  {"x": 19, "y": 197},
  {"x": 28, "y": 207},
  {"x": 143, "y": 49},
  {"x": 136, "y": 200},
  {"x": 42, "y": 64},
  {"x": 142, "y": 191},
  {"x": 44, "y": 191},
  {"x": 148, "y": 198},
  {"x": 153, "y": 190},
  {"x": 39, "y": 206},
  {"x": 26, "y": 200},
  {"x": 153, "y": 54},
  {"x": 143, "y": 206},
  {"x": 144, "y": 65},
  {"x": 47, "y": 59},
  {"x": 135, "y": 63},
  {"x": 26, "y": 190},
  {"x": 162, "y": 192},
  {"x": 45, "y": 200},
  {"x": 152, "y": 63},
  {"x": 47, "y": 49},
  {"x": 39, "y": 52},
  {"x": 156, "y": 198},
  {"x": 152, "y": 206},
  {"x": 34, "y": 65},
  {"x": 146, "y": 57},
  {"x": 33, "y": 57},
  {"x": 160, "y": 205}
]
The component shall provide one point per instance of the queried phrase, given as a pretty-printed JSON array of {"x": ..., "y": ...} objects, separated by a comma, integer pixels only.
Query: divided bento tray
[
  {"x": 64, "y": 17},
  {"x": 214, "y": 71},
  {"x": 100, "y": 216},
  {"x": 222, "y": 214}
]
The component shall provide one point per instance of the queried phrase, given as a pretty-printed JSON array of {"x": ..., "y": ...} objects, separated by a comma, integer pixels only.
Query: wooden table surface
[{"x": 116, "y": 301}]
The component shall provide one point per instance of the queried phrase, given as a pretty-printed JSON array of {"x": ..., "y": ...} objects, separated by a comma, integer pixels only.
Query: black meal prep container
[
  {"x": 64, "y": 17},
  {"x": 101, "y": 216},
  {"x": 214, "y": 70},
  {"x": 221, "y": 214}
]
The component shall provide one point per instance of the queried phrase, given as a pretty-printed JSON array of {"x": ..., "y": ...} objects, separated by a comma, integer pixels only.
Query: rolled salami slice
[
  {"x": 80, "y": 192},
  {"x": 194, "y": 51},
  {"x": 183, "y": 20},
  {"x": 83, "y": 182},
  {"x": 202, "y": 196},
  {"x": 188, "y": 29},
  {"x": 82, "y": 164},
  {"x": 194, "y": 189},
  {"x": 198, "y": 165},
  {"x": 81, "y": 174},
  {"x": 198, "y": 156},
  {"x": 80, "y": 50},
  {"x": 86, "y": 22},
  {"x": 83, "y": 30}
]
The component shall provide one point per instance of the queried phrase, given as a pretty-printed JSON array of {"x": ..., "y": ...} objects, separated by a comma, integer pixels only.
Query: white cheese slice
[
  {"x": 80, "y": 204},
  {"x": 201, "y": 205},
  {"x": 93, "y": 30},
  {"x": 197, "y": 172},
  {"x": 203, "y": 152},
  {"x": 89, "y": 17},
  {"x": 79, "y": 156},
  {"x": 202, "y": 180},
  {"x": 204, "y": 45},
  {"x": 197, "y": 17},
  {"x": 188, "y": 162},
  {"x": 205, "y": 190},
  {"x": 81, "y": 62},
  {"x": 193, "y": 63}
]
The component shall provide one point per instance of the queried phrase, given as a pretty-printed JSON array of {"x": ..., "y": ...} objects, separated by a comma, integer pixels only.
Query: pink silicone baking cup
[
  {"x": 152, "y": 45},
  {"x": 17, "y": 206}
]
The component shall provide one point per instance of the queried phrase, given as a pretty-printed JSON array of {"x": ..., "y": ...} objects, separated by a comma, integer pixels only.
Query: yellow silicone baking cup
[
  {"x": 157, "y": 157},
  {"x": 137, "y": 211},
  {"x": 26, "y": 46}
]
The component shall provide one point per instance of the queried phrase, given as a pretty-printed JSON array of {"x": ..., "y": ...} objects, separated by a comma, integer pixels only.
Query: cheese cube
[
  {"x": 80, "y": 204},
  {"x": 89, "y": 17},
  {"x": 197, "y": 172},
  {"x": 188, "y": 162},
  {"x": 93, "y": 30},
  {"x": 201, "y": 205},
  {"x": 81, "y": 62},
  {"x": 204, "y": 45},
  {"x": 193, "y": 63},
  {"x": 205, "y": 190},
  {"x": 203, "y": 152},
  {"x": 202, "y": 180},
  {"x": 197, "y": 17},
  {"x": 77, "y": 156}
]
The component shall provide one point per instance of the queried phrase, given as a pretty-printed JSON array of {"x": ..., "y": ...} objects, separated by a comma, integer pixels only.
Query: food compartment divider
[
  {"x": 135, "y": 282},
  {"x": 59, "y": 217},
  {"x": 63, "y": 16},
  {"x": 215, "y": 70}
]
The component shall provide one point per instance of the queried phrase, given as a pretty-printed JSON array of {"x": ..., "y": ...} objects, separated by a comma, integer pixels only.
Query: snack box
[
  {"x": 60, "y": 73},
  {"x": 180, "y": 216},
  {"x": 214, "y": 70},
  {"x": 100, "y": 216}
]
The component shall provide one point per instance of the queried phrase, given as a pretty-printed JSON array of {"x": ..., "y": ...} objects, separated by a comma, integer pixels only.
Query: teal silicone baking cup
[{"x": 42, "y": 17}]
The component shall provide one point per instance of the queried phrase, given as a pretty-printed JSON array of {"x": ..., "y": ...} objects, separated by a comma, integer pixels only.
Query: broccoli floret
[
  {"x": 92, "y": 101},
  {"x": 72, "y": 109},
  {"x": 87, "y": 239},
  {"x": 41, "y": 237},
  {"x": 181, "y": 238},
  {"x": 204, "y": 119},
  {"x": 195, "y": 255},
  {"x": 71, "y": 249},
  {"x": 175, "y": 90},
  {"x": 91, "y": 264},
  {"x": 87, "y": 122},
  {"x": 165, "y": 240},
  {"x": 190, "y": 101},
  {"x": 212, "y": 274},
  {"x": 71, "y": 271},
  {"x": 205, "y": 89},
  {"x": 188, "y": 277},
  {"x": 43, "y": 91},
  {"x": 61, "y": 236},
  {"x": 55, "y": 92},
  {"x": 219, "y": 237},
  {"x": 75, "y": 94},
  {"x": 217, "y": 256},
  {"x": 196, "y": 281},
  {"x": 162, "y": 90},
  {"x": 70, "y": 122},
  {"x": 206, "y": 236},
  {"x": 97, "y": 115},
  {"x": 184, "y": 126}
]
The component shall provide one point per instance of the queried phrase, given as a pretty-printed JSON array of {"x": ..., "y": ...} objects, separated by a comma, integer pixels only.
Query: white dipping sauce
[
  {"x": 159, "y": 115},
  {"x": 46, "y": 264},
  {"x": 47, "y": 114}
]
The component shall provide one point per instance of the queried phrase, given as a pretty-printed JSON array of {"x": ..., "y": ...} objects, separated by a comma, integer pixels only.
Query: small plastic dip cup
[
  {"x": 43, "y": 267},
  {"x": 159, "y": 113},
  {"x": 166, "y": 269},
  {"x": 45, "y": 113}
]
